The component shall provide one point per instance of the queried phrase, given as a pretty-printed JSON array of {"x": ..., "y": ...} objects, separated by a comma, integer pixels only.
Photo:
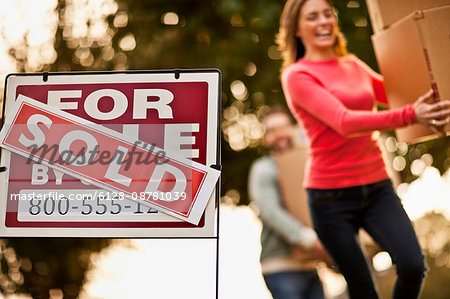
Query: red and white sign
[
  {"x": 151, "y": 148},
  {"x": 107, "y": 159}
]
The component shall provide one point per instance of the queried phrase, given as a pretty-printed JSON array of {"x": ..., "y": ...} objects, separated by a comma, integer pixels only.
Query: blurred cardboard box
[
  {"x": 385, "y": 12},
  {"x": 413, "y": 56},
  {"x": 291, "y": 166}
]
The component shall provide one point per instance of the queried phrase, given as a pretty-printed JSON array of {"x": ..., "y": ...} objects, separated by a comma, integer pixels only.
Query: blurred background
[{"x": 237, "y": 37}]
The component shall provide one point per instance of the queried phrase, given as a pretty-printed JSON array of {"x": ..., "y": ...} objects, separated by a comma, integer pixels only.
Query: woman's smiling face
[{"x": 316, "y": 27}]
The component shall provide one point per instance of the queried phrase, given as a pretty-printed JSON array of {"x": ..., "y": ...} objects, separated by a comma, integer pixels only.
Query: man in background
[{"x": 287, "y": 275}]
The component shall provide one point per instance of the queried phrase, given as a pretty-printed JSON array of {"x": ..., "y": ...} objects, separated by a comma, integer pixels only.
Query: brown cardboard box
[
  {"x": 413, "y": 56},
  {"x": 385, "y": 12},
  {"x": 291, "y": 165}
]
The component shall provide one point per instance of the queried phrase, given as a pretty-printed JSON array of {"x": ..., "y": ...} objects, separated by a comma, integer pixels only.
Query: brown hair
[{"x": 291, "y": 46}]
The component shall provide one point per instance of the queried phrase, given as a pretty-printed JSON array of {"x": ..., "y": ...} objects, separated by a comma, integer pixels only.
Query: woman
[{"x": 333, "y": 95}]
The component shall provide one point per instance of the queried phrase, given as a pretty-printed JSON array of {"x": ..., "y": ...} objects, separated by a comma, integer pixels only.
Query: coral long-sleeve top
[{"x": 335, "y": 101}]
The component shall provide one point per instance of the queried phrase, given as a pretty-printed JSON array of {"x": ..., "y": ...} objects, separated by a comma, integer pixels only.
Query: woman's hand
[{"x": 435, "y": 115}]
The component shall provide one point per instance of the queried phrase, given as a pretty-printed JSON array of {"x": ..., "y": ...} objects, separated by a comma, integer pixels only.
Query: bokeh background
[{"x": 237, "y": 37}]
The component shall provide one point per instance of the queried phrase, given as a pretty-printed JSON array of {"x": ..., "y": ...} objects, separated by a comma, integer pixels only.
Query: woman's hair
[{"x": 291, "y": 46}]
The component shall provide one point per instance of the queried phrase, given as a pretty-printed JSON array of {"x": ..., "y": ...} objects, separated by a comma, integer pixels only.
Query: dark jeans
[
  {"x": 338, "y": 214},
  {"x": 294, "y": 285}
]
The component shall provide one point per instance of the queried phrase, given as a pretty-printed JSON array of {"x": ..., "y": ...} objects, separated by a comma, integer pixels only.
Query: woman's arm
[
  {"x": 435, "y": 116},
  {"x": 307, "y": 93}
]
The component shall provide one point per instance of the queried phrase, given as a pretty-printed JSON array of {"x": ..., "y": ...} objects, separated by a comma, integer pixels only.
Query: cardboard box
[
  {"x": 413, "y": 56},
  {"x": 385, "y": 12},
  {"x": 291, "y": 165}
]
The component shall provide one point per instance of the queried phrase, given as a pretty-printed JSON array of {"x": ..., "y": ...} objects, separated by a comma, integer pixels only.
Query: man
[{"x": 286, "y": 275}]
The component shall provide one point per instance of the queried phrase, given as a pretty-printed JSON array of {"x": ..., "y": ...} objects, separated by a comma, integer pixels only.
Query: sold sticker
[{"x": 107, "y": 159}]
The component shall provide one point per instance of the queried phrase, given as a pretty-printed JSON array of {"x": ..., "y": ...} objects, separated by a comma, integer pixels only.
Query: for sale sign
[
  {"x": 110, "y": 154},
  {"x": 107, "y": 159}
]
